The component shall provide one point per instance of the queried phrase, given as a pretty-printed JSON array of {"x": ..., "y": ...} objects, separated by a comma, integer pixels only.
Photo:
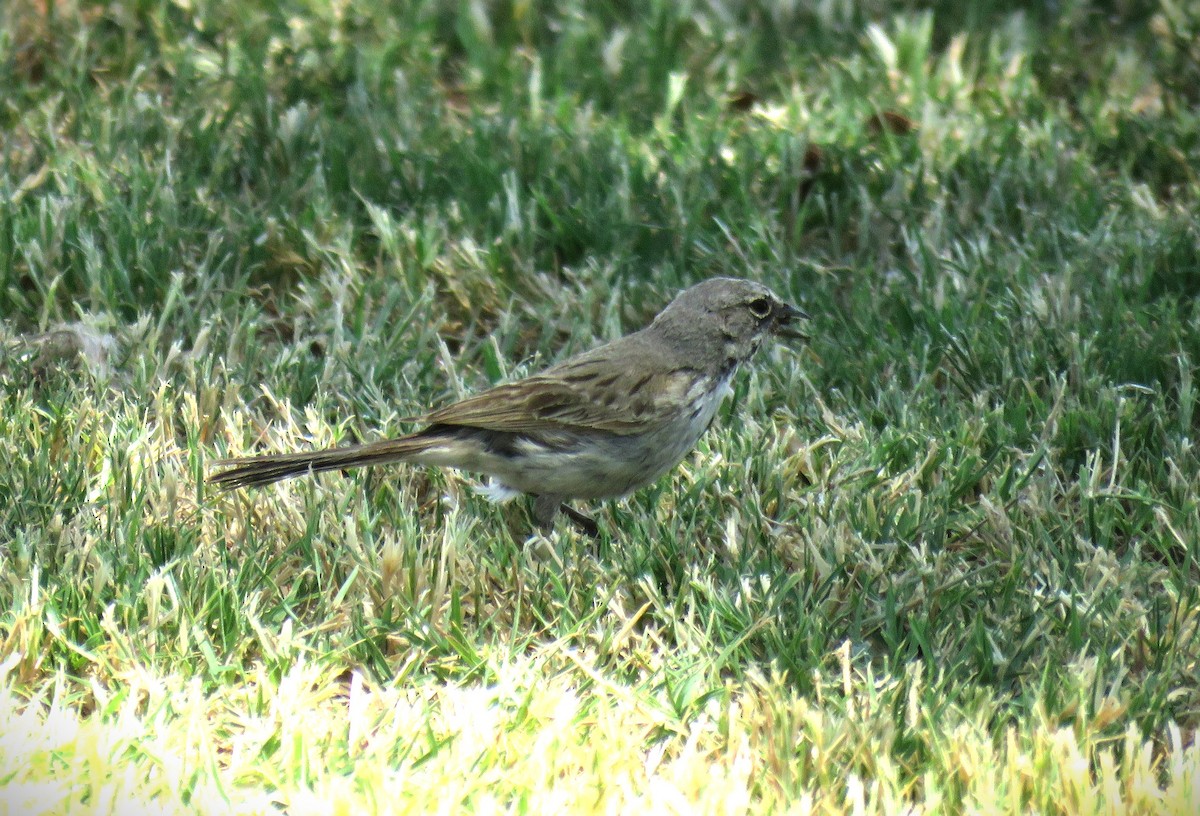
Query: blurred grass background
[{"x": 941, "y": 559}]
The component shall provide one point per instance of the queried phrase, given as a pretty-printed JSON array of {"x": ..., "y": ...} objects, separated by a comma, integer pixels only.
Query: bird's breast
[
  {"x": 640, "y": 459},
  {"x": 600, "y": 465}
]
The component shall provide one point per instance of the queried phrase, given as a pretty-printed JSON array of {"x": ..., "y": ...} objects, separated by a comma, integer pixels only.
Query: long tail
[{"x": 253, "y": 471}]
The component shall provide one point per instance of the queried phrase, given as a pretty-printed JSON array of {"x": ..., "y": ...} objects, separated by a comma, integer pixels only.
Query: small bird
[{"x": 598, "y": 425}]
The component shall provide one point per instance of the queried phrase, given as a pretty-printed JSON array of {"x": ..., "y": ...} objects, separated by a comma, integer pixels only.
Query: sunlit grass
[{"x": 942, "y": 558}]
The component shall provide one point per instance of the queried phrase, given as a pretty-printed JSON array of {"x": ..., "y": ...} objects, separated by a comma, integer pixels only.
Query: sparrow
[{"x": 598, "y": 425}]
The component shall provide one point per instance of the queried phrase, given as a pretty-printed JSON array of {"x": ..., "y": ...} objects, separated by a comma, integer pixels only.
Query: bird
[{"x": 599, "y": 425}]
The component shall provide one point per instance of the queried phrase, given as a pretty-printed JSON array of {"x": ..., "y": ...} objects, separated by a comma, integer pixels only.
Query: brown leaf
[
  {"x": 743, "y": 101},
  {"x": 892, "y": 122},
  {"x": 814, "y": 158}
]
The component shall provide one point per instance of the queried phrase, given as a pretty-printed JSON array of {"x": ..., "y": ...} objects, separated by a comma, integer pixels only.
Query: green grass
[{"x": 942, "y": 558}]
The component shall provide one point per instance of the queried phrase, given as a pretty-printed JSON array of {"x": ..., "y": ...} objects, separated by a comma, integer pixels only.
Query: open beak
[{"x": 788, "y": 322}]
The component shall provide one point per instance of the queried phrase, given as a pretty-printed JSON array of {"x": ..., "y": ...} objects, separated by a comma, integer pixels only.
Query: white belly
[{"x": 610, "y": 465}]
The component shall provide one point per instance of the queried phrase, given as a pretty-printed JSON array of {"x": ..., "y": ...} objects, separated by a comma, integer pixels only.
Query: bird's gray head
[{"x": 733, "y": 312}]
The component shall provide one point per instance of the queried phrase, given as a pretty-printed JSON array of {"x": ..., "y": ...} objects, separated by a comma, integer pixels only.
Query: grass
[{"x": 942, "y": 558}]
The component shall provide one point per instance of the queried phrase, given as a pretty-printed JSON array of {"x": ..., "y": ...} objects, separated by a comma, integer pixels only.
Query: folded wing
[{"x": 581, "y": 394}]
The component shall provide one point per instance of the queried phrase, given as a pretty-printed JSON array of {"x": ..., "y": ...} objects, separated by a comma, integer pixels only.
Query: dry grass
[
  {"x": 550, "y": 734},
  {"x": 942, "y": 559}
]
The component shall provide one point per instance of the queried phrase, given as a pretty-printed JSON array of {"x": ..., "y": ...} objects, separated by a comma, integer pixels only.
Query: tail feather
[{"x": 253, "y": 471}]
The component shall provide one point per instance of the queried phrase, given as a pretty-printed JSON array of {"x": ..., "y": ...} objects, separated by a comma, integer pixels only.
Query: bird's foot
[
  {"x": 545, "y": 508},
  {"x": 583, "y": 522}
]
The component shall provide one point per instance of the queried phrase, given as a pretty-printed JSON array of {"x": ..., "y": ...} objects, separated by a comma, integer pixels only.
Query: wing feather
[{"x": 584, "y": 393}]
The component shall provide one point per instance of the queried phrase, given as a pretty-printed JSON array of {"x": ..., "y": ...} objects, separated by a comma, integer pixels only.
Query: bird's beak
[{"x": 787, "y": 322}]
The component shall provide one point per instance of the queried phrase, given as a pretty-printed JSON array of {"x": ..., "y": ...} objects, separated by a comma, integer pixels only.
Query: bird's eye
[{"x": 760, "y": 308}]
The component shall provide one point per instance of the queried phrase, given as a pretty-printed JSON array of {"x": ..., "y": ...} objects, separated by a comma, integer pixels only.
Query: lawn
[{"x": 944, "y": 557}]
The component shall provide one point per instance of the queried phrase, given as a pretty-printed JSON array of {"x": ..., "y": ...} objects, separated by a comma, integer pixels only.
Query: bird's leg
[
  {"x": 584, "y": 523},
  {"x": 545, "y": 508}
]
